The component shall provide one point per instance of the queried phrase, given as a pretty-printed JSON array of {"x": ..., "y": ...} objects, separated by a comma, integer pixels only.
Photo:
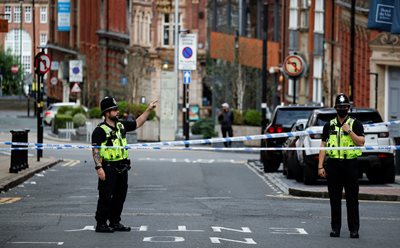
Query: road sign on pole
[
  {"x": 187, "y": 52},
  {"x": 187, "y": 77},
  {"x": 42, "y": 63}
]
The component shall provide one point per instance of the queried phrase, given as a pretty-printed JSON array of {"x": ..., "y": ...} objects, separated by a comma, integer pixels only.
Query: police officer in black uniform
[
  {"x": 341, "y": 168},
  {"x": 112, "y": 164}
]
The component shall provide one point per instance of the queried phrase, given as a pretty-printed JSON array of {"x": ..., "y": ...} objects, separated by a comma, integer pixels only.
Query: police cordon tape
[
  {"x": 363, "y": 148},
  {"x": 171, "y": 144}
]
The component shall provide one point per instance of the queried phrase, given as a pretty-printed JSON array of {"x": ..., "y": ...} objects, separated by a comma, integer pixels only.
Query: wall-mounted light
[{"x": 165, "y": 65}]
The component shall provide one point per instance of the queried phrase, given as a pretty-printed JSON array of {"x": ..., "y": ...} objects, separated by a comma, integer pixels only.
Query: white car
[
  {"x": 378, "y": 165},
  {"x": 51, "y": 111}
]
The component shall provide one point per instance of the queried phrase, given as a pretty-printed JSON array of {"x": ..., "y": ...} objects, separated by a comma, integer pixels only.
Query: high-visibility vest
[
  {"x": 339, "y": 138},
  {"x": 114, "y": 138}
]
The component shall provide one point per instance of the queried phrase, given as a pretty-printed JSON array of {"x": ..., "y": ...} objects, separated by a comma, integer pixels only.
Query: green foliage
[
  {"x": 79, "y": 120},
  {"x": 137, "y": 109},
  {"x": 252, "y": 117},
  {"x": 94, "y": 112},
  {"x": 123, "y": 106},
  {"x": 65, "y": 110},
  {"x": 10, "y": 84},
  {"x": 204, "y": 127},
  {"x": 60, "y": 121},
  {"x": 237, "y": 117},
  {"x": 78, "y": 110}
]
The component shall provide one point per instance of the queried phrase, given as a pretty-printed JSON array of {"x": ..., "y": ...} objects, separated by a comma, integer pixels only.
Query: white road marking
[
  {"x": 38, "y": 243},
  {"x": 213, "y": 198}
]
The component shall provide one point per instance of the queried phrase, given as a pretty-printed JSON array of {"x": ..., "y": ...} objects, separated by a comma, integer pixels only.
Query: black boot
[
  {"x": 354, "y": 235},
  {"x": 120, "y": 228},
  {"x": 335, "y": 233},
  {"x": 103, "y": 228}
]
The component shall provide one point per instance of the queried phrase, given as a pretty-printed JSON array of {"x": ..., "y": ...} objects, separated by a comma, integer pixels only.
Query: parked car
[
  {"x": 282, "y": 119},
  {"x": 289, "y": 157},
  {"x": 51, "y": 111},
  {"x": 377, "y": 165}
]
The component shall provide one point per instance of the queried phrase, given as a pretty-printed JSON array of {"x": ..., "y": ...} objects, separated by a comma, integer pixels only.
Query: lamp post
[{"x": 20, "y": 45}]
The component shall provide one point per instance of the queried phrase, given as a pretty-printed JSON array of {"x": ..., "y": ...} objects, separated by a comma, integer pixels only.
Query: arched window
[{"x": 13, "y": 44}]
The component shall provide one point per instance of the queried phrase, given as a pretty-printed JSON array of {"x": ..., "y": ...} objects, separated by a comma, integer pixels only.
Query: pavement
[
  {"x": 368, "y": 191},
  {"x": 378, "y": 192}
]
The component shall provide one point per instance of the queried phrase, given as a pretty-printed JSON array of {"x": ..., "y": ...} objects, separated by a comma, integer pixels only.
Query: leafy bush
[
  {"x": 78, "y": 110},
  {"x": 237, "y": 117},
  {"x": 252, "y": 117},
  {"x": 60, "y": 121},
  {"x": 79, "y": 120},
  {"x": 204, "y": 127},
  {"x": 94, "y": 112},
  {"x": 123, "y": 106},
  {"x": 65, "y": 110},
  {"x": 137, "y": 109}
]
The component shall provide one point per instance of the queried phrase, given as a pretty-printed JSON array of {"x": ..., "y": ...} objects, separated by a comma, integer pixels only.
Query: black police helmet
[
  {"x": 108, "y": 103},
  {"x": 342, "y": 100}
]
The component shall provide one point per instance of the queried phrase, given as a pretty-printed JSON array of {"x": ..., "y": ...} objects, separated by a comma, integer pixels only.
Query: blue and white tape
[
  {"x": 363, "y": 148},
  {"x": 158, "y": 145}
]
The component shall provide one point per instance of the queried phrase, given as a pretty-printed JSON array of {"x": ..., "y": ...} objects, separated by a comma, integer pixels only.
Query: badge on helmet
[
  {"x": 108, "y": 103},
  {"x": 342, "y": 100}
]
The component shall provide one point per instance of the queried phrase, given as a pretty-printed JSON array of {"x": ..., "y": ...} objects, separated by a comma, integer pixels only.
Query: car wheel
[
  {"x": 308, "y": 175},
  {"x": 271, "y": 165},
  {"x": 389, "y": 174},
  {"x": 375, "y": 176}
]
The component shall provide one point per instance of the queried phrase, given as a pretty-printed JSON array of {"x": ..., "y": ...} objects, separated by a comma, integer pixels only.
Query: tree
[{"x": 10, "y": 83}]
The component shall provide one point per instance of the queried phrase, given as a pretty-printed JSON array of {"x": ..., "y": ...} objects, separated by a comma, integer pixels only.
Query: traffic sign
[
  {"x": 54, "y": 81},
  {"x": 76, "y": 88},
  {"x": 14, "y": 69},
  {"x": 42, "y": 63},
  {"x": 293, "y": 66},
  {"x": 187, "y": 77},
  {"x": 187, "y": 52},
  {"x": 75, "y": 71}
]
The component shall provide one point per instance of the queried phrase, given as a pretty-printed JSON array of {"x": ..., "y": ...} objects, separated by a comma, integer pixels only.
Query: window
[
  {"x": 17, "y": 14},
  {"x": 166, "y": 33},
  {"x": 8, "y": 13},
  {"x": 28, "y": 14},
  {"x": 43, "y": 39},
  {"x": 43, "y": 14},
  {"x": 169, "y": 29},
  {"x": 13, "y": 45}
]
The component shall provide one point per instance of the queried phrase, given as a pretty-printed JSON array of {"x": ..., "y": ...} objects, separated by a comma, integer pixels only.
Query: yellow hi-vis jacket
[
  {"x": 339, "y": 138},
  {"x": 114, "y": 138}
]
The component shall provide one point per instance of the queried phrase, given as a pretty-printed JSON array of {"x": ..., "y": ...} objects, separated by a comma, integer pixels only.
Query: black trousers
[
  {"x": 112, "y": 195},
  {"x": 225, "y": 131},
  {"x": 343, "y": 174}
]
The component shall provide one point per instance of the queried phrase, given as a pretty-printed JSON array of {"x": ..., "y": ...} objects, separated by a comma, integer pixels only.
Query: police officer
[
  {"x": 112, "y": 164},
  {"x": 341, "y": 168}
]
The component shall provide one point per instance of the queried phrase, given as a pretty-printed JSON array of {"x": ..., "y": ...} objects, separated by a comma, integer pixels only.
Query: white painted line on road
[
  {"x": 180, "y": 229},
  {"x": 213, "y": 198},
  {"x": 38, "y": 243},
  {"x": 263, "y": 178},
  {"x": 289, "y": 231}
]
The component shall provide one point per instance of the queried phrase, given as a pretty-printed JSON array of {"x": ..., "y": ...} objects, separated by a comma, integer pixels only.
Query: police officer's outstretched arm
[{"x": 143, "y": 117}]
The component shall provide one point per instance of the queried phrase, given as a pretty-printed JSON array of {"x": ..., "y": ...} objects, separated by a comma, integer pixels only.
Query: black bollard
[{"x": 19, "y": 158}]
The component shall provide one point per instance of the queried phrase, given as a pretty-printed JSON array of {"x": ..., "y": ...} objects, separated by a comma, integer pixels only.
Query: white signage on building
[
  {"x": 187, "y": 52},
  {"x": 75, "y": 71},
  {"x": 64, "y": 15}
]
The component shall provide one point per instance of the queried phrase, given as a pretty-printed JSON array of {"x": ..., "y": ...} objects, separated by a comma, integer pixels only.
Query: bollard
[{"x": 19, "y": 158}]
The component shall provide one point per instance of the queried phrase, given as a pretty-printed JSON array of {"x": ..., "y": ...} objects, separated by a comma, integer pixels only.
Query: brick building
[{"x": 28, "y": 28}]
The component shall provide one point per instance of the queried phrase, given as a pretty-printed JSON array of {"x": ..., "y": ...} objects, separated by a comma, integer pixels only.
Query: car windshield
[
  {"x": 363, "y": 117},
  {"x": 286, "y": 117}
]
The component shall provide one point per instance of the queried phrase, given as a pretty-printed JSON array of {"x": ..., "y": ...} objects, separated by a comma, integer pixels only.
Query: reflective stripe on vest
[
  {"x": 339, "y": 138},
  {"x": 114, "y": 138}
]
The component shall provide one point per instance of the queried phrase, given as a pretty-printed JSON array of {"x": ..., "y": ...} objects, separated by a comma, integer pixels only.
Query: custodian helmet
[
  {"x": 342, "y": 100},
  {"x": 108, "y": 103}
]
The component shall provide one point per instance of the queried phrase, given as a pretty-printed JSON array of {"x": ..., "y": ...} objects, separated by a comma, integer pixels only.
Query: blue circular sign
[
  {"x": 75, "y": 70},
  {"x": 187, "y": 52}
]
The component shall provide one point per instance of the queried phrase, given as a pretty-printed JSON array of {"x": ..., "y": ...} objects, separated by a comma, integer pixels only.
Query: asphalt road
[{"x": 180, "y": 199}]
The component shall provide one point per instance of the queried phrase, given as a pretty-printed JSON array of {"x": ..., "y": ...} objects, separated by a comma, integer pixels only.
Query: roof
[{"x": 352, "y": 110}]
